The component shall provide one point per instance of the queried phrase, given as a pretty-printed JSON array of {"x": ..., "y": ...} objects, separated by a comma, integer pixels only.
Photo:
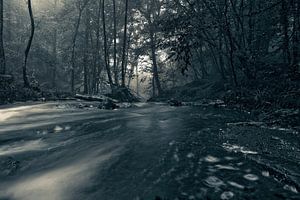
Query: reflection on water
[
  {"x": 214, "y": 181},
  {"x": 227, "y": 167},
  {"x": 211, "y": 159},
  {"x": 58, "y": 129},
  {"x": 21, "y": 147},
  {"x": 251, "y": 177},
  {"x": 237, "y": 149},
  {"x": 236, "y": 185},
  {"x": 61, "y": 183}
]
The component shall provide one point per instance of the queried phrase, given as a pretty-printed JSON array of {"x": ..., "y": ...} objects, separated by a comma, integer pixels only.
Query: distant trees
[
  {"x": 151, "y": 12},
  {"x": 242, "y": 38},
  {"x": 93, "y": 46}
]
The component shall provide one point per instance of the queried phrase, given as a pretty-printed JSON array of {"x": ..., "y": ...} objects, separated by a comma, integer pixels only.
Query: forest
[
  {"x": 149, "y": 99},
  {"x": 150, "y": 47}
]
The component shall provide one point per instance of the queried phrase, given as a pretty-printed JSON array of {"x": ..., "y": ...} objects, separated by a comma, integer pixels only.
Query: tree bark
[{"x": 25, "y": 78}]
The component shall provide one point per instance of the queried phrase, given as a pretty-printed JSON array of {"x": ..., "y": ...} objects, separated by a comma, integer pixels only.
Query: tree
[
  {"x": 106, "y": 56},
  {"x": 25, "y": 78},
  {"x": 80, "y": 6},
  {"x": 115, "y": 43},
  {"x": 124, "y": 44},
  {"x": 54, "y": 49},
  {"x": 2, "y": 54}
]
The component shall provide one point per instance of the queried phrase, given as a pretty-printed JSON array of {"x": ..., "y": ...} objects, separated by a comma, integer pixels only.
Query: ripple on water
[
  {"x": 234, "y": 184},
  {"x": 226, "y": 167},
  {"x": 58, "y": 129},
  {"x": 227, "y": 195},
  {"x": 213, "y": 181},
  {"x": 251, "y": 177},
  {"x": 237, "y": 149},
  {"x": 211, "y": 159}
]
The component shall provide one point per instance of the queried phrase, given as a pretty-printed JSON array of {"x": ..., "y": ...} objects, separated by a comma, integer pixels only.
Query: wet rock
[
  {"x": 108, "y": 105},
  {"x": 175, "y": 103}
]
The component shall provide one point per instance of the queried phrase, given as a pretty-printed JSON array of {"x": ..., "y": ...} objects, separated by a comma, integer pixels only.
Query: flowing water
[{"x": 58, "y": 151}]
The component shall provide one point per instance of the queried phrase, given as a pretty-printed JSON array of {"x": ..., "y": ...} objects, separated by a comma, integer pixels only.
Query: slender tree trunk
[
  {"x": 86, "y": 53},
  {"x": 124, "y": 45},
  {"x": 54, "y": 46},
  {"x": 73, "y": 51},
  {"x": 231, "y": 47},
  {"x": 220, "y": 59},
  {"x": 285, "y": 26},
  {"x": 296, "y": 35},
  {"x": 25, "y": 78},
  {"x": 96, "y": 64},
  {"x": 137, "y": 80},
  {"x": 153, "y": 87},
  {"x": 154, "y": 61},
  {"x": 115, "y": 43},
  {"x": 73, "y": 63},
  {"x": 106, "y": 59},
  {"x": 2, "y": 54}
]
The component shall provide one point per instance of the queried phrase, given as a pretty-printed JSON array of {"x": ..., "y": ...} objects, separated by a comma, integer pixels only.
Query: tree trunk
[
  {"x": 86, "y": 53},
  {"x": 137, "y": 80},
  {"x": 80, "y": 8},
  {"x": 231, "y": 47},
  {"x": 285, "y": 27},
  {"x": 106, "y": 59},
  {"x": 96, "y": 64},
  {"x": 54, "y": 50},
  {"x": 2, "y": 54},
  {"x": 124, "y": 45},
  {"x": 296, "y": 35},
  {"x": 25, "y": 78},
  {"x": 154, "y": 61},
  {"x": 115, "y": 43},
  {"x": 73, "y": 52}
]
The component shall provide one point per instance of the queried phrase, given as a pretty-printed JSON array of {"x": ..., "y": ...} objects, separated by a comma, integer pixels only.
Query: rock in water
[{"x": 175, "y": 103}]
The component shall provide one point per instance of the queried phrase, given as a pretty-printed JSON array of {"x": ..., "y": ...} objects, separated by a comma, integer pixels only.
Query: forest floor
[{"x": 61, "y": 150}]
